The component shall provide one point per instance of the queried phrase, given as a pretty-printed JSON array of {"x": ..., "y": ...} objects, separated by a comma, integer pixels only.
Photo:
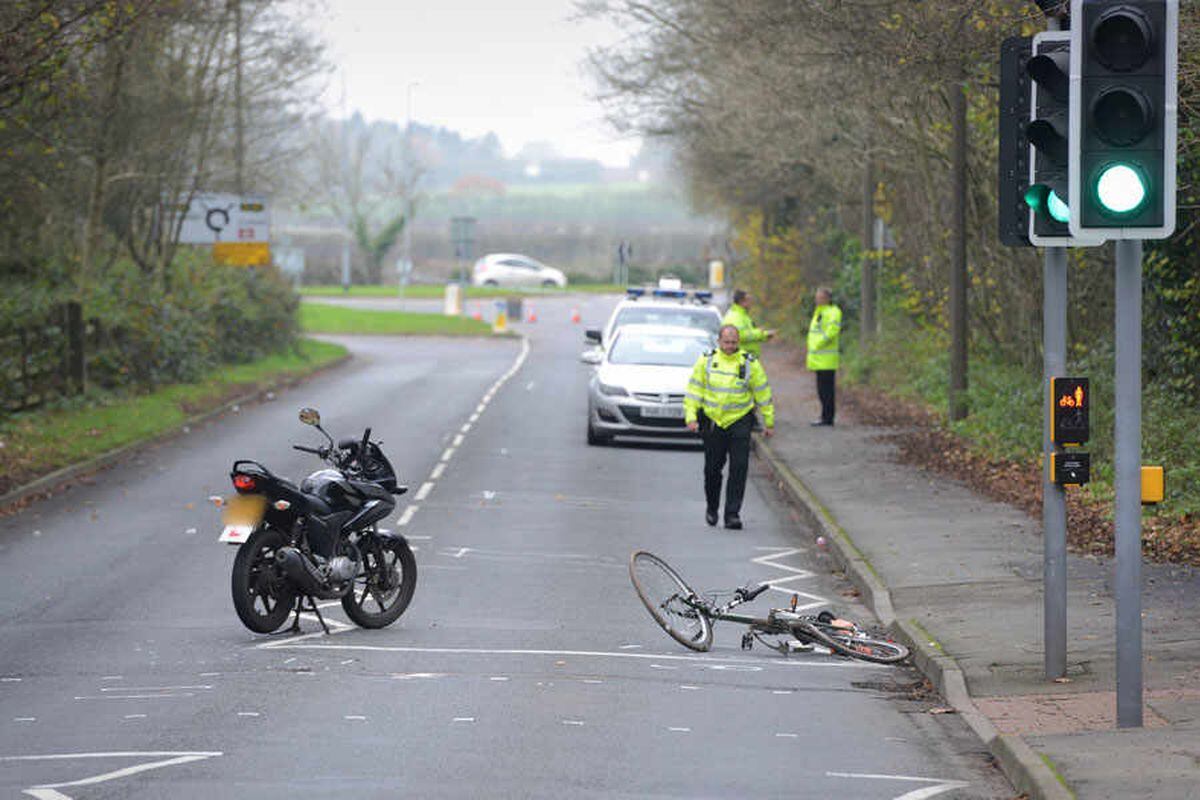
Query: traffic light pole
[
  {"x": 1054, "y": 502},
  {"x": 1127, "y": 458}
]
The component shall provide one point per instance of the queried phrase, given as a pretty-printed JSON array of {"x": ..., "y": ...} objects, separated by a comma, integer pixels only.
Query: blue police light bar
[
  {"x": 703, "y": 297},
  {"x": 669, "y": 293},
  {"x": 632, "y": 292}
]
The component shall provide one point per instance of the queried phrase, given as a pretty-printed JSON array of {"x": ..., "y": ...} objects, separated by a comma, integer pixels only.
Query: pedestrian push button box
[{"x": 1070, "y": 469}]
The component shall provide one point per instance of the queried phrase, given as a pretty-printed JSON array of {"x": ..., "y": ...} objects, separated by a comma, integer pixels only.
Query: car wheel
[
  {"x": 490, "y": 282},
  {"x": 549, "y": 284}
]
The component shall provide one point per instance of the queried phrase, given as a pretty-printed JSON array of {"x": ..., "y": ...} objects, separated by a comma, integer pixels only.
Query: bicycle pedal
[{"x": 797, "y": 646}]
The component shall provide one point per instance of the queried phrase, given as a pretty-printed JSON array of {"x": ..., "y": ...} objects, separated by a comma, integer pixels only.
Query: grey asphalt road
[{"x": 525, "y": 666}]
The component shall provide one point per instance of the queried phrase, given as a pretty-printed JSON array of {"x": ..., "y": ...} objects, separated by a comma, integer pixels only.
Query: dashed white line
[
  {"x": 112, "y": 677},
  {"x": 407, "y": 516},
  {"x": 680, "y": 730},
  {"x": 152, "y": 688},
  {"x": 437, "y": 471},
  {"x": 10, "y": 680},
  {"x": 783, "y": 691},
  {"x": 474, "y": 418},
  {"x": 591, "y": 680},
  {"x": 787, "y": 736},
  {"x": 498, "y": 678},
  {"x": 687, "y": 688},
  {"x": 24, "y": 719},
  {"x": 479, "y": 408},
  {"x": 572, "y": 722},
  {"x": 424, "y": 491},
  {"x": 135, "y": 716},
  {"x": 465, "y": 428},
  {"x": 448, "y": 454},
  {"x": 661, "y": 666},
  {"x": 248, "y": 714},
  {"x": 464, "y": 719},
  {"x": 357, "y": 717},
  {"x": 135, "y": 696},
  {"x": 458, "y": 440},
  {"x": 630, "y": 647},
  {"x": 209, "y": 674}
]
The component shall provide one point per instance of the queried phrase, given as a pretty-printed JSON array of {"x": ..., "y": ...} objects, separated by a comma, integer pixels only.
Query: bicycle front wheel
[
  {"x": 665, "y": 596},
  {"x": 854, "y": 643}
]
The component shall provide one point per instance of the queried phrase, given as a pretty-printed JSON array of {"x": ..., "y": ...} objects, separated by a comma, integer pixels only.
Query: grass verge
[
  {"x": 39, "y": 442},
  {"x": 322, "y": 318}
]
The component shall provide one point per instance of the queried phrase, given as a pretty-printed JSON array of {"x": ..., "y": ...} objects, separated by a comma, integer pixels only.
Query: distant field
[
  {"x": 321, "y": 318},
  {"x": 426, "y": 291}
]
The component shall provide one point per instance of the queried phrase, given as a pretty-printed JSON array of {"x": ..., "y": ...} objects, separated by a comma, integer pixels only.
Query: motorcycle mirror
[{"x": 310, "y": 416}]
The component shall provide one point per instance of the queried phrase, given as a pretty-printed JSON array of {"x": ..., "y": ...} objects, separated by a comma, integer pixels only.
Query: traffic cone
[
  {"x": 575, "y": 315},
  {"x": 532, "y": 317}
]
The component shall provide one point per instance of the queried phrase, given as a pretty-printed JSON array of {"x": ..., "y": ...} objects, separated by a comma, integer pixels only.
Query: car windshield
[
  {"x": 659, "y": 315},
  {"x": 659, "y": 350}
]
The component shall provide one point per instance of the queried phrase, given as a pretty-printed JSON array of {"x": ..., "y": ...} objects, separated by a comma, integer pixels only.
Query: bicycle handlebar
[{"x": 753, "y": 593}]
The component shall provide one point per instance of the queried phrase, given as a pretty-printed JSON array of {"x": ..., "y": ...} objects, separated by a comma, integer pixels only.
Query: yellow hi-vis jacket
[
  {"x": 728, "y": 388},
  {"x": 750, "y": 337},
  {"x": 823, "y": 335}
]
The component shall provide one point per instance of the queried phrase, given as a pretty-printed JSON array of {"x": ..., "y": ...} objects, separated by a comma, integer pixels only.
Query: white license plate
[
  {"x": 663, "y": 412},
  {"x": 242, "y": 515}
]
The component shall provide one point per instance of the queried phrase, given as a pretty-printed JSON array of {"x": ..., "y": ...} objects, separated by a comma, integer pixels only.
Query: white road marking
[
  {"x": 356, "y": 717},
  {"x": 248, "y": 714},
  {"x": 407, "y": 516},
  {"x": 424, "y": 491},
  {"x": 479, "y": 408},
  {"x": 135, "y": 696},
  {"x": 631, "y": 647},
  {"x": 572, "y": 722},
  {"x": 24, "y": 719},
  {"x": 152, "y": 688},
  {"x": 464, "y": 719},
  {"x": 112, "y": 678},
  {"x": 688, "y": 688},
  {"x": 529, "y": 386},
  {"x": 46, "y": 791},
  {"x": 680, "y": 730},
  {"x": 591, "y": 680},
  {"x": 771, "y": 560},
  {"x": 209, "y": 674},
  {"x": 347, "y": 661},
  {"x": 924, "y": 793},
  {"x": 10, "y": 680},
  {"x": 448, "y": 454},
  {"x": 498, "y": 678},
  {"x": 135, "y": 716},
  {"x": 458, "y": 440},
  {"x": 708, "y": 662},
  {"x": 419, "y": 538},
  {"x": 787, "y": 736},
  {"x": 489, "y": 495},
  {"x": 473, "y": 419},
  {"x": 437, "y": 471},
  {"x": 403, "y": 676},
  {"x": 462, "y": 551},
  {"x": 783, "y": 691},
  {"x": 661, "y": 666}
]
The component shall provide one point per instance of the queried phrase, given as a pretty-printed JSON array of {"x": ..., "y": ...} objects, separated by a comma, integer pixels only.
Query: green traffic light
[
  {"x": 1058, "y": 210},
  {"x": 1120, "y": 189}
]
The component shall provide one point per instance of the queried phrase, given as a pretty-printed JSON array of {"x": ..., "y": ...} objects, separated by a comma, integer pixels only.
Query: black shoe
[
  {"x": 710, "y": 517},
  {"x": 820, "y": 423},
  {"x": 733, "y": 522}
]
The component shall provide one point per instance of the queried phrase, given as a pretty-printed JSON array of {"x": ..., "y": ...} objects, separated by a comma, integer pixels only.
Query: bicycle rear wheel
[
  {"x": 853, "y": 643},
  {"x": 664, "y": 593}
]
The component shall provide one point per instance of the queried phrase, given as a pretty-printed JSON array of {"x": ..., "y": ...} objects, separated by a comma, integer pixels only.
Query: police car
[
  {"x": 638, "y": 385},
  {"x": 662, "y": 306}
]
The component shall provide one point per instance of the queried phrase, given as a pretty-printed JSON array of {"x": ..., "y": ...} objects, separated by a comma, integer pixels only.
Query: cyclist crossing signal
[
  {"x": 1124, "y": 65},
  {"x": 1070, "y": 407}
]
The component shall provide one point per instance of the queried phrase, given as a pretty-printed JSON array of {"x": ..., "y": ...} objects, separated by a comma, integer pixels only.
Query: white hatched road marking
[
  {"x": 771, "y": 560},
  {"x": 941, "y": 785},
  {"x": 48, "y": 791}
]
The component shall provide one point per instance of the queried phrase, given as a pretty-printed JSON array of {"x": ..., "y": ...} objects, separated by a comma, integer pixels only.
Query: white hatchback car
[
  {"x": 511, "y": 269},
  {"x": 638, "y": 385},
  {"x": 660, "y": 307}
]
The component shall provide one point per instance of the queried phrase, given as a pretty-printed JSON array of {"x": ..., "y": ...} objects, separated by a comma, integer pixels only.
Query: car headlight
[{"x": 612, "y": 391}]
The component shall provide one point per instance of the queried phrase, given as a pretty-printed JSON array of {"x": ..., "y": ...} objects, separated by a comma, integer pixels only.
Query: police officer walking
[
  {"x": 824, "y": 333},
  {"x": 726, "y": 385}
]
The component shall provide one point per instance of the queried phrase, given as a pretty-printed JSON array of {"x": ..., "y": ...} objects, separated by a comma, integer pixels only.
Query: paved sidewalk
[{"x": 959, "y": 577}]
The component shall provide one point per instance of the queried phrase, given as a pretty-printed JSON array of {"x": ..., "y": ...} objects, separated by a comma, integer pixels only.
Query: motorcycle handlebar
[{"x": 313, "y": 450}]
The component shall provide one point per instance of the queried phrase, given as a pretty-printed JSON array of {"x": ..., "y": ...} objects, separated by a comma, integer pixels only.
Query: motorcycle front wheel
[
  {"x": 262, "y": 595},
  {"x": 384, "y": 586}
]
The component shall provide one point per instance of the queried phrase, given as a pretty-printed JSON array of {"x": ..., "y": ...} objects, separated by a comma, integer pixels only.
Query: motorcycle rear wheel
[
  {"x": 262, "y": 596},
  {"x": 385, "y": 586}
]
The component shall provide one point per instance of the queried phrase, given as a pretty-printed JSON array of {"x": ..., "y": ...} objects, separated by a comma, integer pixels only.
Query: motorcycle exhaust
[{"x": 305, "y": 574}]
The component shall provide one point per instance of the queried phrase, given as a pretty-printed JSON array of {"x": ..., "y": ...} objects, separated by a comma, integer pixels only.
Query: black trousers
[
  {"x": 732, "y": 443},
  {"x": 827, "y": 393}
]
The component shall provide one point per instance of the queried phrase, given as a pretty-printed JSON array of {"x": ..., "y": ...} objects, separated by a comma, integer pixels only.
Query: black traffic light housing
[
  {"x": 1070, "y": 406},
  {"x": 1124, "y": 66},
  {"x": 1013, "y": 160},
  {"x": 1048, "y": 133}
]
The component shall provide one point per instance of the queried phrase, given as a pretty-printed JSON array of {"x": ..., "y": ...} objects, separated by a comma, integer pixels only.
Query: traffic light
[
  {"x": 1124, "y": 66},
  {"x": 1070, "y": 403},
  {"x": 1048, "y": 191},
  {"x": 1013, "y": 160}
]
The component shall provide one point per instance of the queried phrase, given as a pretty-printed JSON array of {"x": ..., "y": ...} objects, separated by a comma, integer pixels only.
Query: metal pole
[
  {"x": 1127, "y": 467},
  {"x": 867, "y": 288},
  {"x": 1054, "y": 503},
  {"x": 409, "y": 187},
  {"x": 239, "y": 125},
  {"x": 958, "y": 256}
]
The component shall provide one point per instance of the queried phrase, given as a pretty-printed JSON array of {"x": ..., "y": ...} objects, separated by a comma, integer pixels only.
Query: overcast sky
[{"x": 512, "y": 67}]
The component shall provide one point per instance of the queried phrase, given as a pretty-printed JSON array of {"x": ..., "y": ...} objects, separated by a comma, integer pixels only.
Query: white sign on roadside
[{"x": 212, "y": 218}]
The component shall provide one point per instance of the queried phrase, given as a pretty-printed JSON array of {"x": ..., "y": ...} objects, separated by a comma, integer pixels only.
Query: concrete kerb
[
  {"x": 1027, "y": 771},
  {"x": 48, "y": 484}
]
